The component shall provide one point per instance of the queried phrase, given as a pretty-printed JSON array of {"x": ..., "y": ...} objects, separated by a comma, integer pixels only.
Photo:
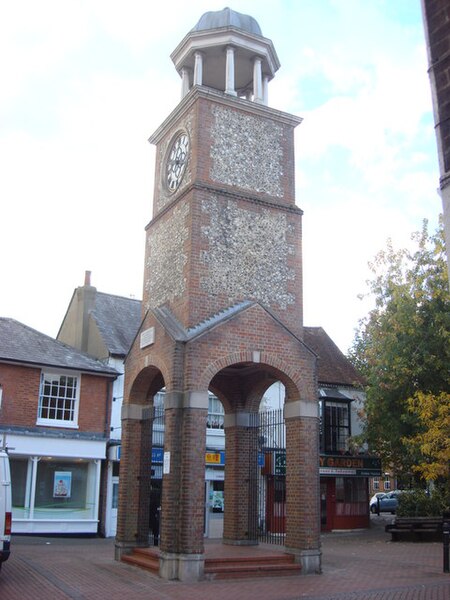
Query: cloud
[{"x": 85, "y": 83}]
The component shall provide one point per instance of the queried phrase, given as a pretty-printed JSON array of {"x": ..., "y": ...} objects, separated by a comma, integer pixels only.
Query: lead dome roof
[{"x": 227, "y": 18}]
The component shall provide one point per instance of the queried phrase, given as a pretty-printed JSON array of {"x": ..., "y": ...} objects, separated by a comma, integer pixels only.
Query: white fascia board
[{"x": 29, "y": 445}]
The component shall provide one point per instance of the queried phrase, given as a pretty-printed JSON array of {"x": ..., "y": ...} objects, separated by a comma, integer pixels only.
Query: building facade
[
  {"x": 104, "y": 325},
  {"x": 54, "y": 421},
  {"x": 436, "y": 18}
]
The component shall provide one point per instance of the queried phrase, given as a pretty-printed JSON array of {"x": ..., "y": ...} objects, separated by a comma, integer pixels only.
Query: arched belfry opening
[{"x": 222, "y": 307}]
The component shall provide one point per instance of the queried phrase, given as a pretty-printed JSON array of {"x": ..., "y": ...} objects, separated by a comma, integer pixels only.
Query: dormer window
[{"x": 58, "y": 400}]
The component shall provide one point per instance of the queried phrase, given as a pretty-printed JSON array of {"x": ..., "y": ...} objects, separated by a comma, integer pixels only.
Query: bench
[{"x": 415, "y": 527}]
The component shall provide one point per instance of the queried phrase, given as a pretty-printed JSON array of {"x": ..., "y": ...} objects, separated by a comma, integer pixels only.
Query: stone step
[
  {"x": 275, "y": 565},
  {"x": 247, "y": 567},
  {"x": 280, "y": 558},
  {"x": 145, "y": 558}
]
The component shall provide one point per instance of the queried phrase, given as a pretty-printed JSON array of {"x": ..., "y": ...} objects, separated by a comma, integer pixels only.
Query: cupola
[{"x": 226, "y": 51}]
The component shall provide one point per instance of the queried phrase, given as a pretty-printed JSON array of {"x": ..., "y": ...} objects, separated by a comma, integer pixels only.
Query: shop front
[
  {"x": 214, "y": 493},
  {"x": 55, "y": 484},
  {"x": 344, "y": 490}
]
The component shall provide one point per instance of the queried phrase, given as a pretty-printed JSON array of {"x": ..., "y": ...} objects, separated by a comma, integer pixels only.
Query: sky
[{"x": 84, "y": 83}]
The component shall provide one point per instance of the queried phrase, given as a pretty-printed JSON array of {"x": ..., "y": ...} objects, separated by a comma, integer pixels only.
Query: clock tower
[{"x": 222, "y": 304}]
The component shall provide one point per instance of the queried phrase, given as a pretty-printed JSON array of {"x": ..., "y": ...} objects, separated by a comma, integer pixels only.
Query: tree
[
  {"x": 402, "y": 346},
  {"x": 432, "y": 441}
]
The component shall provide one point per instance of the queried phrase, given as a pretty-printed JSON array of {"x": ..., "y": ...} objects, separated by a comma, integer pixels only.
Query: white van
[{"x": 5, "y": 507}]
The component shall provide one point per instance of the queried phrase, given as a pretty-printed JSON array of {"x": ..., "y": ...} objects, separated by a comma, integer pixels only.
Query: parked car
[
  {"x": 387, "y": 503},
  {"x": 374, "y": 501},
  {"x": 5, "y": 507}
]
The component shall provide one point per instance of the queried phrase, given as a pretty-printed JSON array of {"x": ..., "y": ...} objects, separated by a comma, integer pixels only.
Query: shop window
[
  {"x": 20, "y": 498},
  {"x": 58, "y": 400},
  {"x": 63, "y": 489},
  {"x": 335, "y": 426},
  {"x": 351, "y": 496},
  {"x": 115, "y": 495},
  {"x": 216, "y": 496},
  {"x": 216, "y": 413}
]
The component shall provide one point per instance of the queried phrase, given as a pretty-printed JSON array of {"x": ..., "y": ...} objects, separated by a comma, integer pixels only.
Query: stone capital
[
  {"x": 301, "y": 408},
  {"x": 194, "y": 399},
  {"x": 136, "y": 412}
]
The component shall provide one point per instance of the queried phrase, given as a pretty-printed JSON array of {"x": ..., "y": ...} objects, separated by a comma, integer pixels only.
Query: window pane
[
  {"x": 18, "y": 481},
  {"x": 58, "y": 397},
  {"x": 216, "y": 413},
  {"x": 336, "y": 426}
]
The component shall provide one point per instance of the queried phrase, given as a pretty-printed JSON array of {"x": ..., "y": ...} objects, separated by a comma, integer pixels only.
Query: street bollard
[{"x": 446, "y": 539}]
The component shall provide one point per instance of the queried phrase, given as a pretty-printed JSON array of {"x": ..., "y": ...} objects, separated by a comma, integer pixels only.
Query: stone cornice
[
  {"x": 220, "y": 191},
  {"x": 203, "y": 92}
]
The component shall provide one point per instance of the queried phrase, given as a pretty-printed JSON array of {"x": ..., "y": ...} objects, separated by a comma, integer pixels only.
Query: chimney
[{"x": 87, "y": 278}]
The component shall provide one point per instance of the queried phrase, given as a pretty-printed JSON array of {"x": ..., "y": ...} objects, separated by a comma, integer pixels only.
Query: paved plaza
[{"x": 362, "y": 565}]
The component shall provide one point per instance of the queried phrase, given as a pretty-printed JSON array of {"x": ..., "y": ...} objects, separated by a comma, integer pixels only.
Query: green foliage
[
  {"x": 417, "y": 503},
  {"x": 402, "y": 346}
]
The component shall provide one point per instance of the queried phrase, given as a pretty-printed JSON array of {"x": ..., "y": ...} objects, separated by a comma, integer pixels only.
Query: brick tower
[{"x": 222, "y": 304}]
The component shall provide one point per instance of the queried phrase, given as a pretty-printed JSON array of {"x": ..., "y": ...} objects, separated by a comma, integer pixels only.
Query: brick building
[
  {"x": 104, "y": 326},
  {"x": 54, "y": 420},
  {"x": 222, "y": 305},
  {"x": 436, "y": 17}
]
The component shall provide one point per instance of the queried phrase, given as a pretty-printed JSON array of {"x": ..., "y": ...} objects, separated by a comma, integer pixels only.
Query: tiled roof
[
  {"x": 118, "y": 320},
  {"x": 333, "y": 367},
  {"x": 22, "y": 344}
]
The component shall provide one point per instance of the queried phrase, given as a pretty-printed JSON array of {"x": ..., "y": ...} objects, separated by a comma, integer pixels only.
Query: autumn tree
[
  {"x": 402, "y": 346},
  {"x": 432, "y": 440}
]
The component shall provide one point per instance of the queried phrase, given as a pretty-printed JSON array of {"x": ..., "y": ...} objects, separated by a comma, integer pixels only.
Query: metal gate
[
  {"x": 156, "y": 469},
  {"x": 268, "y": 479},
  {"x": 266, "y": 474}
]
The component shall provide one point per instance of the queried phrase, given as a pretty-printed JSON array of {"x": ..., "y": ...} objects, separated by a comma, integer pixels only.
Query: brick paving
[{"x": 356, "y": 565}]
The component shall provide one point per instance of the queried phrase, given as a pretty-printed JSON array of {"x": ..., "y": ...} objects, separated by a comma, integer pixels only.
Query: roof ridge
[
  {"x": 218, "y": 317},
  {"x": 118, "y": 296}
]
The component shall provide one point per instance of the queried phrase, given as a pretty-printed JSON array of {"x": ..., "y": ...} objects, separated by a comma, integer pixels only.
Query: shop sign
[
  {"x": 356, "y": 466},
  {"x": 280, "y": 463},
  {"x": 211, "y": 458},
  {"x": 157, "y": 456},
  {"x": 166, "y": 463},
  {"x": 215, "y": 458}
]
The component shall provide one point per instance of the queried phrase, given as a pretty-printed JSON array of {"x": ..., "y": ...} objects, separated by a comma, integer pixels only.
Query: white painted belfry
[
  {"x": 229, "y": 75},
  {"x": 184, "y": 81},
  {"x": 266, "y": 90},
  {"x": 198, "y": 68},
  {"x": 219, "y": 53},
  {"x": 257, "y": 81}
]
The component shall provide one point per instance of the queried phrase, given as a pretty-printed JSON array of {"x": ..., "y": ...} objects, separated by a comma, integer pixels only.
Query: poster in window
[{"x": 62, "y": 484}]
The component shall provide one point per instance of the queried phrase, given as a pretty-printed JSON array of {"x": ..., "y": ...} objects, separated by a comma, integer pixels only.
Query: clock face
[{"x": 176, "y": 161}]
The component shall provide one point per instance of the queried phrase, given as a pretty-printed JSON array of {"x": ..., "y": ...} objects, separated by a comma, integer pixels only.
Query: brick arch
[
  {"x": 288, "y": 375},
  {"x": 147, "y": 383}
]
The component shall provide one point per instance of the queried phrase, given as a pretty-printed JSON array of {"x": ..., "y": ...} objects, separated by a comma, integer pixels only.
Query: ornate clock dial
[{"x": 176, "y": 161}]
